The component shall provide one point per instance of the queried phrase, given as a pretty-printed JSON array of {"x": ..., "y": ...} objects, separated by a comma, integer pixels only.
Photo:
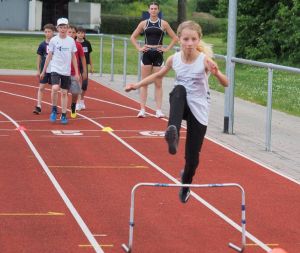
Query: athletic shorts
[
  {"x": 153, "y": 57},
  {"x": 75, "y": 86},
  {"x": 46, "y": 79},
  {"x": 63, "y": 81}
]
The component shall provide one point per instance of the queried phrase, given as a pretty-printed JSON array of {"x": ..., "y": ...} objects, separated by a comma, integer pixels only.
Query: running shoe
[
  {"x": 82, "y": 105},
  {"x": 171, "y": 137},
  {"x": 78, "y": 106},
  {"x": 37, "y": 110},
  {"x": 53, "y": 115},
  {"x": 63, "y": 119},
  {"x": 73, "y": 111},
  {"x": 184, "y": 192},
  {"x": 159, "y": 114},
  {"x": 141, "y": 114}
]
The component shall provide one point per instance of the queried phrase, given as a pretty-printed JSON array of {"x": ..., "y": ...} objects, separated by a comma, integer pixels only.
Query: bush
[
  {"x": 211, "y": 25},
  {"x": 206, "y": 5},
  {"x": 115, "y": 24}
]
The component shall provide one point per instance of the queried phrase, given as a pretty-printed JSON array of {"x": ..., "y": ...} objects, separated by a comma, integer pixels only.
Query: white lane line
[
  {"x": 207, "y": 137},
  {"x": 197, "y": 197},
  {"x": 59, "y": 189},
  {"x": 201, "y": 200}
]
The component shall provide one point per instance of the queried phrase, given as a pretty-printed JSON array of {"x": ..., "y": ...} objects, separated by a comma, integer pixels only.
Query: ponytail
[{"x": 205, "y": 48}]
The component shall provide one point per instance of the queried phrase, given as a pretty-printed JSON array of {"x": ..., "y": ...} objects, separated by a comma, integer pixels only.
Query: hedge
[{"x": 116, "y": 24}]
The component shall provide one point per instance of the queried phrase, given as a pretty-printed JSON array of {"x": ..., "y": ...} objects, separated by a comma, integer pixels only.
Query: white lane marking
[
  {"x": 208, "y": 205},
  {"x": 59, "y": 189},
  {"x": 201, "y": 200}
]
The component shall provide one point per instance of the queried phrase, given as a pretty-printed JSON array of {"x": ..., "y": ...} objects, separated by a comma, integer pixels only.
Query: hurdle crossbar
[{"x": 128, "y": 248}]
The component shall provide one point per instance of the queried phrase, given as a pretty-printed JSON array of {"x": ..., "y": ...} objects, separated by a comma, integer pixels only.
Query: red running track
[{"x": 95, "y": 166}]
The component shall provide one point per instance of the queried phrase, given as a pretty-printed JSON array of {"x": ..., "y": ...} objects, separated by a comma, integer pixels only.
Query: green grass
[{"x": 19, "y": 52}]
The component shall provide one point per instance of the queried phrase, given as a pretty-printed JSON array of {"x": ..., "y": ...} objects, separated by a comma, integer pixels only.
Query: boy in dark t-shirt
[
  {"x": 42, "y": 53},
  {"x": 87, "y": 49}
]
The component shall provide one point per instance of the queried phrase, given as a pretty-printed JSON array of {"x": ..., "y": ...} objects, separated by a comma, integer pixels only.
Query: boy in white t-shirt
[{"x": 62, "y": 50}]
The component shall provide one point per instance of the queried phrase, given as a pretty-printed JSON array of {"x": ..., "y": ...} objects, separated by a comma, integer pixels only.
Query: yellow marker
[
  {"x": 107, "y": 129},
  {"x": 33, "y": 214},
  {"x": 268, "y": 244}
]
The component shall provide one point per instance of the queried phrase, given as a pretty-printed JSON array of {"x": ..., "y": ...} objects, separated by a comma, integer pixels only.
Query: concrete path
[{"x": 249, "y": 127}]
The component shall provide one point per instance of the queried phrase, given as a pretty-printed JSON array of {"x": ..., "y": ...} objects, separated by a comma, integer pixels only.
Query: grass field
[{"x": 19, "y": 52}]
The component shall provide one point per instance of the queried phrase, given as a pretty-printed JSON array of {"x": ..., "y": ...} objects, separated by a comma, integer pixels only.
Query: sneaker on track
[
  {"x": 141, "y": 114},
  {"x": 171, "y": 137},
  {"x": 53, "y": 115},
  {"x": 159, "y": 114},
  {"x": 78, "y": 106},
  {"x": 184, "y": 192},
  {"x": 82, "y": 105},
  {"x": 73, "y": 111},
  {"x": 37, "y": 110},
  {"x": 63, "y": 119}
]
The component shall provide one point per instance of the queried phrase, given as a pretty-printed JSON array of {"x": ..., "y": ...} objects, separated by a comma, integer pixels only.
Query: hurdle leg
[
  {"x": 128, "y": 248},
  {"x": 243, "y": 225}
]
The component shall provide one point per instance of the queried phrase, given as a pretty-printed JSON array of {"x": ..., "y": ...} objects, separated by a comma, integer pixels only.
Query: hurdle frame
[{"x": 128, "y": 248}]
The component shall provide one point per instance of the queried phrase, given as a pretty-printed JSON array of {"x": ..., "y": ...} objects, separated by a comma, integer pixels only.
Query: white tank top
[{"x": 195, "y": 80}]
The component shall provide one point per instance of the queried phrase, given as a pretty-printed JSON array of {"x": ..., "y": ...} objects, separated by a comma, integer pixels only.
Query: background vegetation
[{"x": 260, "y": 37}]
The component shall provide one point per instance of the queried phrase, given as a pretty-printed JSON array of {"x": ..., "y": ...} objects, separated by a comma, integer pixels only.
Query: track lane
[
  {"x": 31, "y": 210},
  {"x": 139, "y": 143}
]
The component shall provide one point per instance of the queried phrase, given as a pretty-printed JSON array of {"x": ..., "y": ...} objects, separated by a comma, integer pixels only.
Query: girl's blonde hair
[{"x": 191, "y": 25}]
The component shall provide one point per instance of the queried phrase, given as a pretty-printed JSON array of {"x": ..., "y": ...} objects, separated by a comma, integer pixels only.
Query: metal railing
[{"x": 269, "y": 66}]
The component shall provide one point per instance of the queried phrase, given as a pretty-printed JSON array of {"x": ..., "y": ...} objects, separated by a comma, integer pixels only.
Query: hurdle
[{"x": 128, "y": 248}]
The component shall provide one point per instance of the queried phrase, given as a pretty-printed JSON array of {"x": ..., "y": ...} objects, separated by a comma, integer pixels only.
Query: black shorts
[
  {"x": 46, "y": 79},
  {"x": 153, "y": 57},
  {"x": 63, "y": 81}
]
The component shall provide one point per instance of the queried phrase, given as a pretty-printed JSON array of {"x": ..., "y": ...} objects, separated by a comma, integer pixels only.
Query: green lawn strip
[{"x": 19, "y": 52}]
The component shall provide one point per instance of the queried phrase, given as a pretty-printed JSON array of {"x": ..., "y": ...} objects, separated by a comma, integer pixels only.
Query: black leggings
[{"x": 180, "y": 110}]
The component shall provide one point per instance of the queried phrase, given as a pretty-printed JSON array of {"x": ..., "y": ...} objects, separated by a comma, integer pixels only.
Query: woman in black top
[{"x": 153, "y": 29}]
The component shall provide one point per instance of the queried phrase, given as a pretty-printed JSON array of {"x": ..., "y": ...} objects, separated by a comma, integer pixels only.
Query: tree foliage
[{"x": 267, "y": 29}]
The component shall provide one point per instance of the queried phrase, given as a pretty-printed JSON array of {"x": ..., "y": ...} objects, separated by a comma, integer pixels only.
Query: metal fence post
[
  {"x": 112, "y": 58},
  {"x": 125, "y": 62},
  {"x": 101, "y": 55},
  {"x": 269, "y": 110},
  {"x": 231, "y": 44}
]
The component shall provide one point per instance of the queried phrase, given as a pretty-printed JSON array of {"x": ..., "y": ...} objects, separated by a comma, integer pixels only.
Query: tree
[
  {"x": 267, "y": 29},
  {"x": 181, "y": 16}
]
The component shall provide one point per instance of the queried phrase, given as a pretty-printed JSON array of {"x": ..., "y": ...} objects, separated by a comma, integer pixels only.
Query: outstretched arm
[{"x": 213, "y": 68}]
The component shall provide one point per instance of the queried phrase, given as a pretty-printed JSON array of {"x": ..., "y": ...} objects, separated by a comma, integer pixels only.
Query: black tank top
[{"x": 153, "y": 33}]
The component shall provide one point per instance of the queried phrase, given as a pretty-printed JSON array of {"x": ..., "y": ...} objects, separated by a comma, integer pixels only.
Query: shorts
[
  {"x": 63, "y": 81},
  {"x": 46, "y": 79},
  {"x": 75, "y": 86},
  {"x": 153, "y": 57}
]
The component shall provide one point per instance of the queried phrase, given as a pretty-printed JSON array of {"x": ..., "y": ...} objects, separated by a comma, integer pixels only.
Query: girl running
[{"x": 190, "y": 98}]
